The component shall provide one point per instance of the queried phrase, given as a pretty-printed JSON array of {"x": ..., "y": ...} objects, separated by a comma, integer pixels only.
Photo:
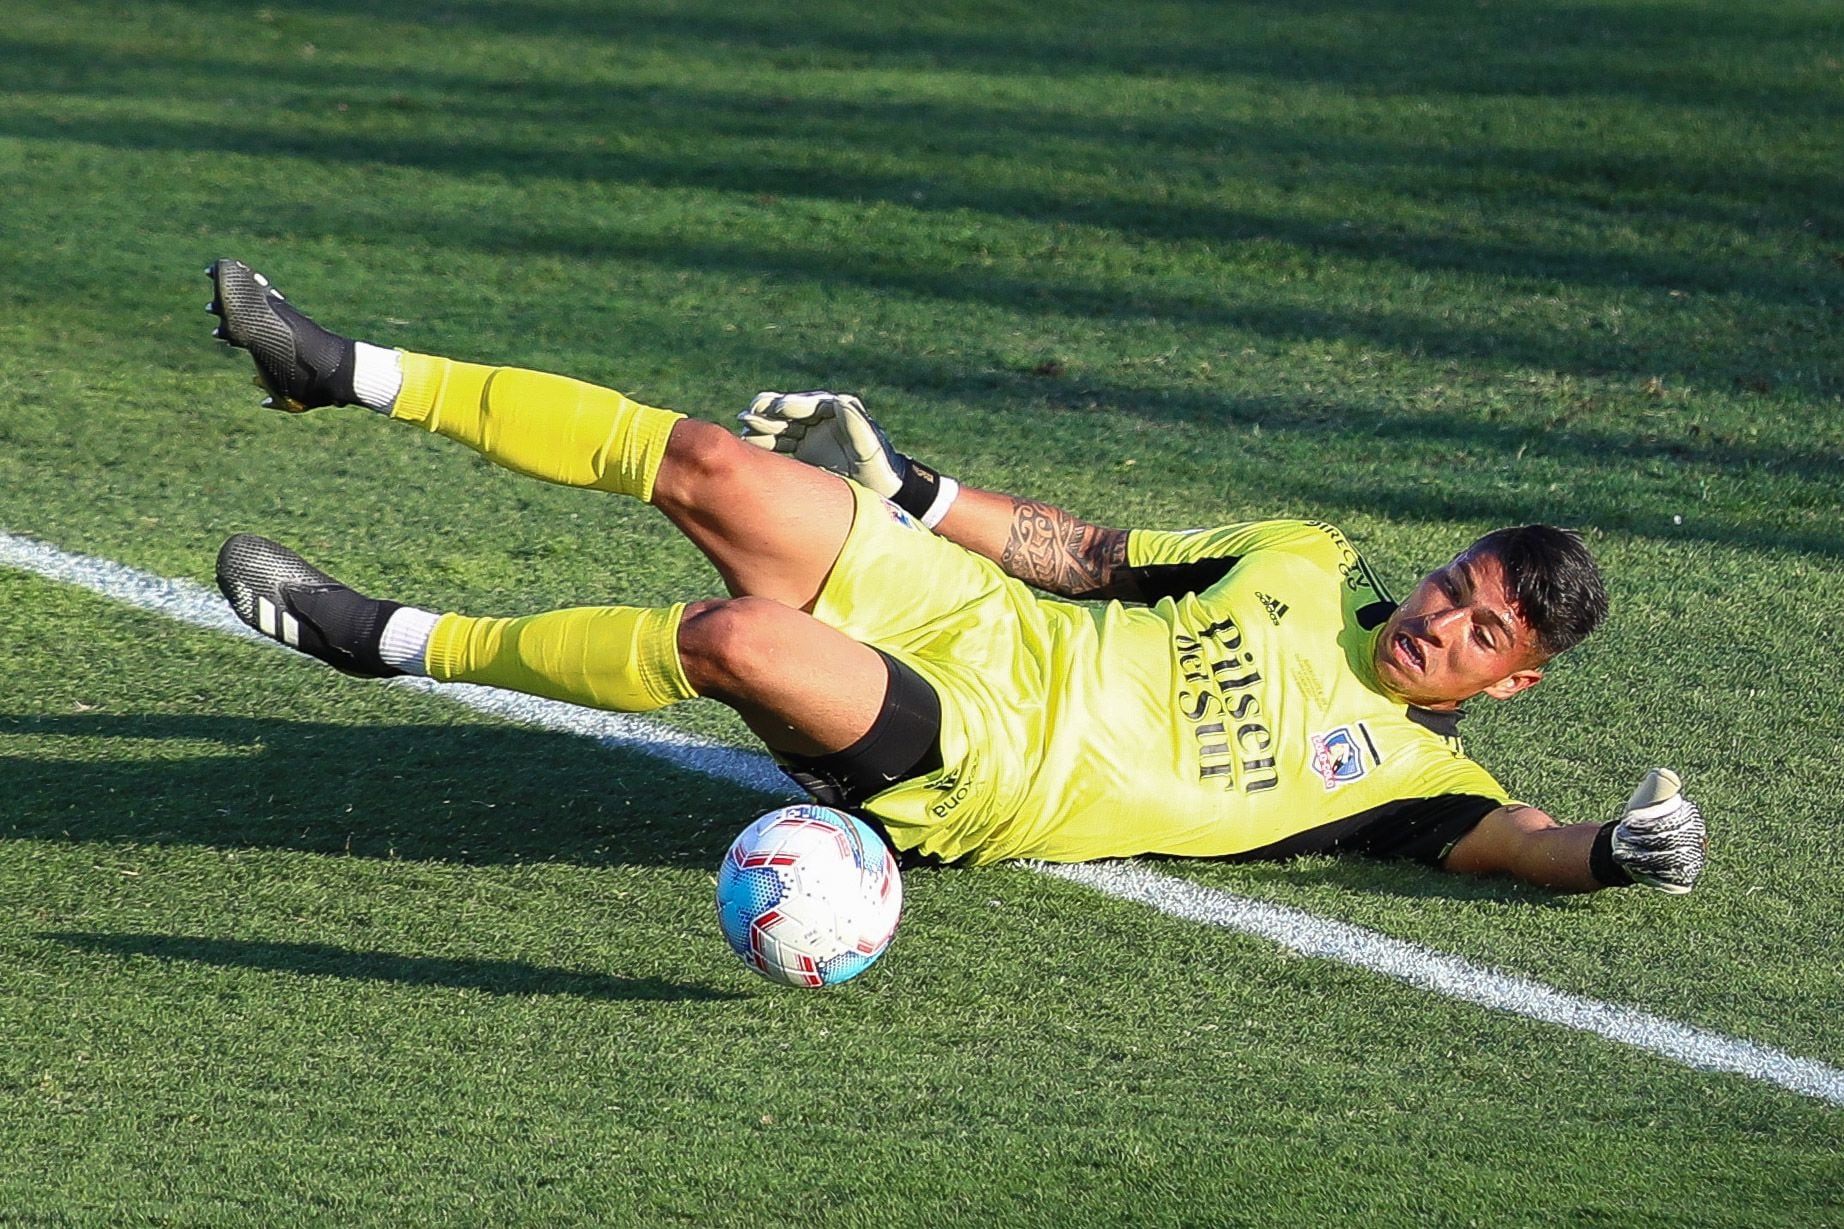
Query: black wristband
[
  {"x": 920, "y": 486},
  {"x": 1607, "y": 872}
]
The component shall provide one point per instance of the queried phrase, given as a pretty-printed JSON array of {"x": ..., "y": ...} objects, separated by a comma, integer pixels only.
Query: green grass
[{"x": 279, "y": 946}]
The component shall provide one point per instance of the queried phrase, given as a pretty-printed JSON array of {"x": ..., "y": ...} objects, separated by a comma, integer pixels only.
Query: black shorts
[{"x": 903, "y": 742}]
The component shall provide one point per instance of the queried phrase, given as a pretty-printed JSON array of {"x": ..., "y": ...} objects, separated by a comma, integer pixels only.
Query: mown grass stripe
[{"x": 1306, "y": 933}]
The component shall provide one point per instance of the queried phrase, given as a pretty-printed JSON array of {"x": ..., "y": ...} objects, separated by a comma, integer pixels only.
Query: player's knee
[
  {"x": 727, "y": 646},
  {"x": 702, "y": 460}
]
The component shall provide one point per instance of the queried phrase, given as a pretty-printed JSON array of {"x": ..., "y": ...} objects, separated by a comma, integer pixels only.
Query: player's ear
[{"x": 1511, "y": 684}]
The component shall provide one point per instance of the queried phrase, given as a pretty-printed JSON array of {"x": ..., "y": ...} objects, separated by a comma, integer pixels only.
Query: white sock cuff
[
  {"x": 405, "y": 644},
  {"x": 377, "y": 376}
]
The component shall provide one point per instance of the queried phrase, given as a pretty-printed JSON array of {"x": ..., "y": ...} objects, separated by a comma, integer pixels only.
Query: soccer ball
[{"x": 808, "y": 896}]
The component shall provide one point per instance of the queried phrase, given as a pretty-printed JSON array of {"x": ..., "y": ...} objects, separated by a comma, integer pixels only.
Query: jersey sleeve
[
  {"x": 1415, "y": 829},
  {"x": 1167, "y": 563},
  {"x": 1425, "y": 826}
]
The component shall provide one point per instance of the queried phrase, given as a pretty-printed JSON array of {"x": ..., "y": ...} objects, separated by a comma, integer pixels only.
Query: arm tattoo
[{"x": 1058, "y": 553}]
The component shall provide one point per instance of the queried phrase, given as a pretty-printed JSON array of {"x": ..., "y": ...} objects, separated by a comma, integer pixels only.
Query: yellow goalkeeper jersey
[
  {"x": 1241, "y": 713},
  {"x": 1237, "y": 715}
]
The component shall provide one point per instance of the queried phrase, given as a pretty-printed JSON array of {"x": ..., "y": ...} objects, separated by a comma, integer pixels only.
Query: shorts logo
[
  {"x": 952, "y": 788},
  {"x": 1336, "y": 757},
  {"x": 901, "y": 517}
]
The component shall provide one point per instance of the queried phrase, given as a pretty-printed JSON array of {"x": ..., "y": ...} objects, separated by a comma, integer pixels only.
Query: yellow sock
[
  {"x": 624, "y": 658},
  {"x": 551, "y": 427}
]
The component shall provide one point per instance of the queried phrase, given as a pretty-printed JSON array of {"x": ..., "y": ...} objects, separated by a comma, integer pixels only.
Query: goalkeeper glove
[
  {"x": 835, "y": 432},
  {"x": 1660, "y": 839}
]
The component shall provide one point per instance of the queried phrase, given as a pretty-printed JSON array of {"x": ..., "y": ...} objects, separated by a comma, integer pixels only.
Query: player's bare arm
[
  {"x": 1658, "y": 840},
  {"x": 1059, "y": 553},
  {"x": 1042, "y": 545},
  {"x": 1525, "y": 842}
]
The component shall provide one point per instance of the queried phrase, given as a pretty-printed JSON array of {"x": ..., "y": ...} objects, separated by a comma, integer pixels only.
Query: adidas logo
[
  {"x": 1276, "y": 610},
  {"x": 948, "y": 783}
]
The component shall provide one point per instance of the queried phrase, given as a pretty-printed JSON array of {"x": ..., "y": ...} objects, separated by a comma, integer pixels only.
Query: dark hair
[{"x": 1553, "y": 580}]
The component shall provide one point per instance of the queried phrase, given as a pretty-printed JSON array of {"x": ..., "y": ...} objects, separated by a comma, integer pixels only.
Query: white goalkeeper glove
[
  {"x": 835, "y": 432},
  {"x": 1659, "y": 840}
]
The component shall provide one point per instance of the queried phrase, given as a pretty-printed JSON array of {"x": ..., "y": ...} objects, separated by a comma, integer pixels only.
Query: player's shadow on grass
[
  {"x": 472, "y": 794},
  {"x": 1402, "y": 880},
  {"x": 477, "y": 794},
  {"x": 326, "y": 960}
]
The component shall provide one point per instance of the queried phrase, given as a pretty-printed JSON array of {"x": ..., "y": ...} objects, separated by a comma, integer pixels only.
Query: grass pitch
[{"x": 280, "y": 946}]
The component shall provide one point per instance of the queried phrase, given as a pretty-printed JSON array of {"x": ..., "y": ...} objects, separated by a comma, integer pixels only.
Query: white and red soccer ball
[{"x": 808, "y": 896}]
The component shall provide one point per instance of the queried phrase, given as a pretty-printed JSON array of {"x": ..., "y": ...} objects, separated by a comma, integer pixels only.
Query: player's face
[{"x": 1457, "y": 636}]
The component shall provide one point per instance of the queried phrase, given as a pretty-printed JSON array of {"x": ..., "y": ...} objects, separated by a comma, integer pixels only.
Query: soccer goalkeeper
[{"x": 1248, "y": 691}]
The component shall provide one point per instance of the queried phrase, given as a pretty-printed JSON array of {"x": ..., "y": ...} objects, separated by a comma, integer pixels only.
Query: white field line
[
  {"x": 1303, "y": 932},
  {"x": 1427, "y": 969}
]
